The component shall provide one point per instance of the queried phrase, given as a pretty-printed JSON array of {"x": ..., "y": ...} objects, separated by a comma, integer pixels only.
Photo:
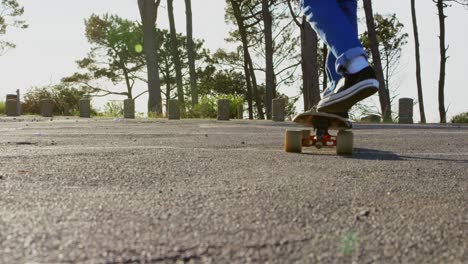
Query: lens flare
[{"x": 138, "y": 48}]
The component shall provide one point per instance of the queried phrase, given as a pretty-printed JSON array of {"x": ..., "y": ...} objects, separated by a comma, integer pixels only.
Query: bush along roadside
[
  {"x": 66, "y": 99},
  {"x": 460, "y": 118},
  {"x": 2, "y": 108}
]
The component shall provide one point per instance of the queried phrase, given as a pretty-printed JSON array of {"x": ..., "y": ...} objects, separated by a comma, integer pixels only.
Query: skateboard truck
[
  {"x": 321, "y": 123},
  {"x": 321, "y": 132}
]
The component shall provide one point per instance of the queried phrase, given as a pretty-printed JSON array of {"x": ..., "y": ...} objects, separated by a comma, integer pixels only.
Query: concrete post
[
  {"x": 47, "y": 107},
  {"x": 85, "y": 107},
  {"x": 129, "y": 109},
  {"x": 240, "y": 111},
  {"x": 173, "y": 112},
  {"x": 405, "y": 111},
  {"x": 10, "y": 107},
  {"x": 11, "y": 96},
  {"x": 279, "y": 109},
  {"x": 18, "y": 102},
  {"x": 223, "y": 109}
]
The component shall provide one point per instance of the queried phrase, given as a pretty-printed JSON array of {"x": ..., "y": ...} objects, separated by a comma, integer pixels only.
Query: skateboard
[{"x": 321, "y": 123}]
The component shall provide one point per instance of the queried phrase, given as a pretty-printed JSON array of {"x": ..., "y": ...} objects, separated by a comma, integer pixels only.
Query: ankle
[{"x": 356, "y": 65}]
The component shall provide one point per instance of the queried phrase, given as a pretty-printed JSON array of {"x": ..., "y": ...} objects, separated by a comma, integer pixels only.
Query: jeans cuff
[{"x": 346, "y": 57}]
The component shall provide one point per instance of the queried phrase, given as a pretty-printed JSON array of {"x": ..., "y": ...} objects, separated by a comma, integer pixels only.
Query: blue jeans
[{"x": 335, "y": 21}]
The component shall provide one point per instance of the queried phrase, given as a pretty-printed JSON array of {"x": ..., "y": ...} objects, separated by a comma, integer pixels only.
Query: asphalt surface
[{"x": 157, "y": 191}]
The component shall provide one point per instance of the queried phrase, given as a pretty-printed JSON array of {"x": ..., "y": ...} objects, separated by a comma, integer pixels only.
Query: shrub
[
  {"x": 31, "y": 102},
  {"x": 113, "y": 109},
  {"x": 290, "y": 110},
  {"x": 65, "y": 98},
  {"x": 460, "y": 118},
  {"x": 2, "y": 108},
  {"x": 208, "y": 106}
]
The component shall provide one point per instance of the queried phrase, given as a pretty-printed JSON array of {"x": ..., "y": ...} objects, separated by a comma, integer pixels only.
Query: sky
[{"x": 55, "y": 39}]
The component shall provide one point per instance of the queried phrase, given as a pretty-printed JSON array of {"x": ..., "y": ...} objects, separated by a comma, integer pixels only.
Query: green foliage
[
  {"x": 10, "y": 13},
  {"x": 208, "y": 106},
  {"x": 2, "y": 108},
  {"x": 152, "y": 115},
  {"x": 460, "y": 118},
  {"x": 290, "y": 110},
  {"x": 286, "y": 55},
  {"x": 349, "y": 243},
  {"x": 391, "y": 41},
  {"x": 166, "y": 62},
  {"x": 66, "y": 99},
  {"x": 113, "y": 109},
  {"x": 212, "y": 81},
  {"x": 114, "y": 55},
  {"x": 32, "y": 99}
]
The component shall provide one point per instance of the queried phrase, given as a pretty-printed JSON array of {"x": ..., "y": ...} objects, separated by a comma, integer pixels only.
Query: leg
[
  {"x": 332, "y": 74},
  {"x": 349, "y": 8},
  {"x": 335, "y": 28},
  {"x": 335, "y": 21}
]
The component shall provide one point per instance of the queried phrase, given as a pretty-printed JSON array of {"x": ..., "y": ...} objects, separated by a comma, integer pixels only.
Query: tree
[
  {"x": 66, "y": 99},
  {"x": 166, "y": 62},
  {"x": 269, "y": 71},
  {"x": 175, "y": 52},
  {"x": 238, "y": 9},
  {"x": 390, "y": 39},
  {"x": 190, "y": 51},
  {"x": 286, "y": 58},
  {"x": 418, "y": 62},
  {"x": 441, "y": 5},
  {"x": 309, "y": 61},
  {"x": 113, "y": 56},
  {"x": 222, "y": 82},
  {"x": 148, "y": 13},
  {"x": 234, "y": 62},
  {"x": 10, "y": 14},
  {"x": 384, "y": 95}
]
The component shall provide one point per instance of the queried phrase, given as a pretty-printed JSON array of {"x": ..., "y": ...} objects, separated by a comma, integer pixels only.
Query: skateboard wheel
[
  {"x": 293, "y": 141},
  {"x": 306, "y": 138},
  {"x": 344, "y": 142}
]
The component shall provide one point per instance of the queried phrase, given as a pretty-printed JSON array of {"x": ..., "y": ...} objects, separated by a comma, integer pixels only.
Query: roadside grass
[
  {"x": 460, "y": 118},
  {"x": 2, "y": 108},
  {"x": 349, "y": 243}
]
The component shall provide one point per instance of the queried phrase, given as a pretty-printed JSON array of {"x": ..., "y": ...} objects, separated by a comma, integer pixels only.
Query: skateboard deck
[
  {"x": 321, "y": 124},
  {"x": 333, "y": 122}
]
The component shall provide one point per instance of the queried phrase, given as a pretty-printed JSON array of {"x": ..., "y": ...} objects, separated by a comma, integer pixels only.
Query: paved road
[{"x": 156, "y": 191}]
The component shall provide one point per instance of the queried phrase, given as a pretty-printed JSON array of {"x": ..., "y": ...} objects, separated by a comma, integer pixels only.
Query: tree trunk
[
  {"x": 148, "y": 12},
  {"x": 310, "y": 69},
  {"x": 127, "y": 83},
  {"x": 248, "y": 60},
  {"x": 418, "y": 63},
  {"x": 374, "y": 45},
  {"x": 168, "y": 97},
  {"x": 443, "y": 62},
  {"x": 175, "y": 52},
  {"x": 191, "y": 52},
  {"x": 249, "y": 88},
  {"x": 256, "y": 96},
  {"x": 270, "y": 72},
  {"x": 324, "y": 66}
]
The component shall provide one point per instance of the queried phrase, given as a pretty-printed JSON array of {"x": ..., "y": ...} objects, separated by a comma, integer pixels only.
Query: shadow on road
[{"x": 372, "y": 154}]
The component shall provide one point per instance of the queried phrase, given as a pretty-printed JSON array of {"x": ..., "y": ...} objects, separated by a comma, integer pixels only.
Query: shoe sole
[{"x": 343, "y": 104}]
